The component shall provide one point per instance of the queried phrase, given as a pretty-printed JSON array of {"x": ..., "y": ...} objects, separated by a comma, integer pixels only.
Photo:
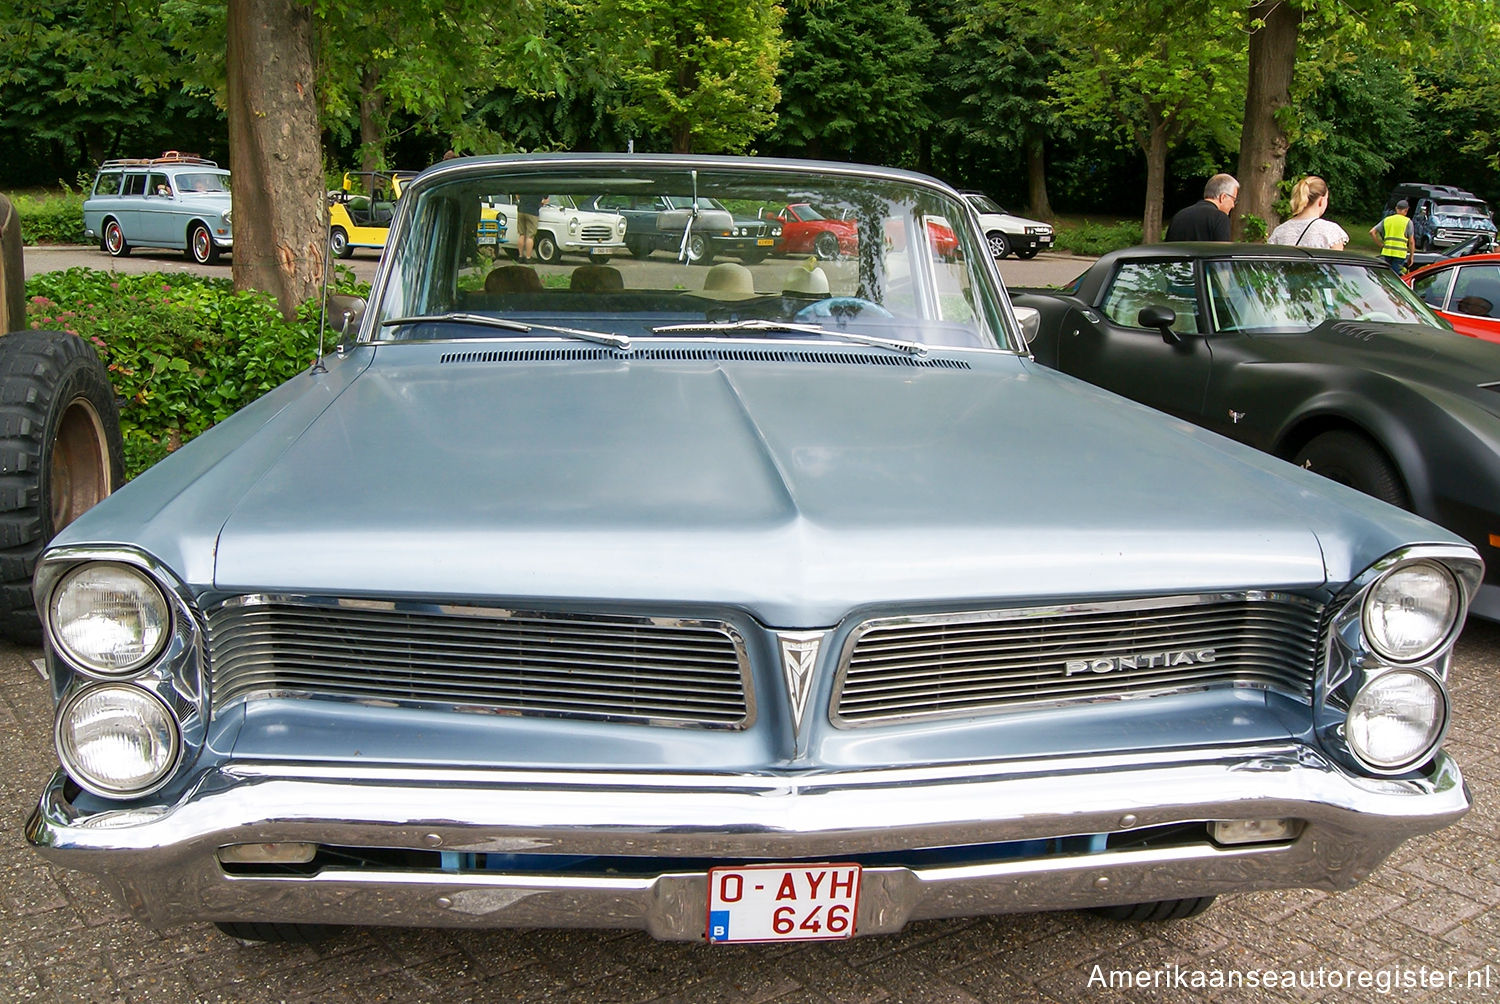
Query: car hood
[
  {"x": 1463, "y": 221},
  {"x": 795, "y": 490},
  {"x": 1008, "y": 220},
  {"x": 1410, "y": 352}
]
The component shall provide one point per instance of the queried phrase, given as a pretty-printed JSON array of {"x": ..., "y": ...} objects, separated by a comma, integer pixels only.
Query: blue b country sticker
[{"x": 718, "y": 925}]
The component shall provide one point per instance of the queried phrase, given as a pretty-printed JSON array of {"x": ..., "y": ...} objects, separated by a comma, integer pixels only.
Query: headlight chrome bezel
[
  {"x": 1440, "y": 640},
  {"x": 1354, "y": 663},
  {"x": 88, "y": 664},
  {"x": 68, "y": 748},
  {"x": 1437, "y": 730}
]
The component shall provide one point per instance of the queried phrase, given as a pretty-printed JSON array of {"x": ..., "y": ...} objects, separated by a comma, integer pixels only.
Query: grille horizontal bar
[
  {"x": 990, "y": 661},
  {"x": 659, "y": 670}
]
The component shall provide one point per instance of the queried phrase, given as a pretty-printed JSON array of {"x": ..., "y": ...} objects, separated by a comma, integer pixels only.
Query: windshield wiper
[
  {"x": 761, "y": 325},
  {"x": 504, "y": 324}
]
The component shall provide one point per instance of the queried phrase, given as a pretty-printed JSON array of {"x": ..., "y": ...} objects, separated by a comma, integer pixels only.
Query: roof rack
[{"x": 169, "y": 157}]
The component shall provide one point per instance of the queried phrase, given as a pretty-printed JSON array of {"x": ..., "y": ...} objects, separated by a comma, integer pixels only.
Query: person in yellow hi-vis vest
[{"x": 1394, "y": 235}]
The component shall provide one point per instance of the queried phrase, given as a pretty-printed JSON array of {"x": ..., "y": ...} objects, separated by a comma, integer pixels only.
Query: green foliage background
[{"x": 183, "y": 352}]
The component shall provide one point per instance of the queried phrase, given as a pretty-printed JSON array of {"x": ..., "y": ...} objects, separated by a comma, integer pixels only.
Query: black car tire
[
  {"x": 546, "y": 248},
  {"x": 999, "y": 244},
  {"x": 598, "y": 258},
  {"x": 1027, "y": 254},
  {"x": 200, "y": 245},
  {"x": 639, "y": 247},
  {"x": 700, "y": 250},
  {"x": 826, "y": 246},
  {"x": 113, "y": 239},
  {"x": 1354, "y": 460},
  {"x": 1166, "y": 909},
  {"x": 60, "y": 453},
  {"x": 338, "y": 243},
  {"x": 285, "y": 934}
]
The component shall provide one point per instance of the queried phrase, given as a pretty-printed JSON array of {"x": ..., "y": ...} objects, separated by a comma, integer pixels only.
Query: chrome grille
[
  {"x": 990, "y": 661},
  {"x": 656, "y": 670},
  {"x": 597, "y": 233}
]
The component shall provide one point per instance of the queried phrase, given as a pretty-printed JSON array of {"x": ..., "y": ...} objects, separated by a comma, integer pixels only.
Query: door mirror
[
  {"x": 1031, "y": 322},
  {"x": 344, "y": 316},
  {"x": 1162, "y": 318}
]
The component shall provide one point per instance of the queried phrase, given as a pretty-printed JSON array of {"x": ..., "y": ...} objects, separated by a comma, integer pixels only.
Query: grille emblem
[
  {"x": 1140, "y": 660},
  {"x": 799, "y": 656}
]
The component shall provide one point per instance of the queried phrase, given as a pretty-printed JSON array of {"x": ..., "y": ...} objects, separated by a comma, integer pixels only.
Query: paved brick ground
[{"x": 1435, "y": 904}]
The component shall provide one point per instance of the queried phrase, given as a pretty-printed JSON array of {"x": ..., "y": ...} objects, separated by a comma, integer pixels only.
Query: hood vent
[{"x": 699, "y": 355}]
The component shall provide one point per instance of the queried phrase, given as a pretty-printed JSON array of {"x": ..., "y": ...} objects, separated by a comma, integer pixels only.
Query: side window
[
  {"x": 1153, "y": 283},
  {"x": 135, "y": 184},
  {"x": 1433, "y": 287},
  {"x": 108, "y": 183},
  {"x": 1476, "y": 291},
  {"x": 156, "y": 184}
]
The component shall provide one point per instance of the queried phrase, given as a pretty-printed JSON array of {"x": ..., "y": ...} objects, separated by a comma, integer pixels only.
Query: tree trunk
[
  {"x": 1036, "y": 178},
  {"x": 371, "y": 124},
  {"x": 1156, "y": 147},
  {"x": 274, "y": 151},
  {"x": 1263, "y": 141}
]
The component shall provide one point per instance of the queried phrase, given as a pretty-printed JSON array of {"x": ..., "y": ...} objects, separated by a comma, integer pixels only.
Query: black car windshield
[
  {"x": 985, "y": 204},
  {"x": 1292, "y": 296},
  {"x": 897, "y": 264}
]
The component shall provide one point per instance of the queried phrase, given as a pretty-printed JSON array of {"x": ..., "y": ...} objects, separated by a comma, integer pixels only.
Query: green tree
[
  {"x": 701, "y": 72},
  {"x": 854, "y": 81},
  {"x": 1148, "y": 72},
  {"x": 993, "y": 73}
]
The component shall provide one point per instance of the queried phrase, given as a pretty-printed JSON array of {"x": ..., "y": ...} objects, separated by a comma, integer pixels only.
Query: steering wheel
[{"x": 841, "y": 307}]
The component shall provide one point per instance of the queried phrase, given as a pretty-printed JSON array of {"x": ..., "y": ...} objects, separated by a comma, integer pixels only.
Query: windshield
[
  {"x": 1291, "y": 297},
  {"x": 190, "y": 183},
  {"x": 985, "y": 204},
  {"x": 892, "y": 269},
  {"x": 1459, "y": 209}
]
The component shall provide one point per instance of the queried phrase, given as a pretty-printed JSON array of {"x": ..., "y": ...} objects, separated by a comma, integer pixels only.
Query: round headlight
[
  {"x": 573, "y": 225},
  {"x": 1396, "y": 719},
  {"x": 109, "y": 619},
  {"x": 1411, "y": 610},
  {"x": 117, "y": 740}
]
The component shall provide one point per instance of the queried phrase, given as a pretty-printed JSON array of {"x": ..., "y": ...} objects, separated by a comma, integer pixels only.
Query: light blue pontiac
[{"x": 781, "y": 602}]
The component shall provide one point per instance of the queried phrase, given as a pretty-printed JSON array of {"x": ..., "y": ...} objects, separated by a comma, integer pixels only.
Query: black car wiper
[
  {"x": 762, "y": 325},
  {"x": 486, "y": 321}
]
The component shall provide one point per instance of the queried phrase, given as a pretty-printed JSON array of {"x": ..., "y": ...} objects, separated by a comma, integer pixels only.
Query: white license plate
[
  {"x": 487, "y": 240},
  {"x": 783, "y": 902}
]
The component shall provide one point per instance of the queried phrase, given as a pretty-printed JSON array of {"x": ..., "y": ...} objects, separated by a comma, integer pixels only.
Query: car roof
[
  {"x": 1203, "y": 250},
  {"x": 1468, "y": 259}
]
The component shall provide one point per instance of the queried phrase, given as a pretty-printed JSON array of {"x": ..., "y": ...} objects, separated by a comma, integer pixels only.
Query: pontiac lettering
[{"x": 1140, "y": 660}]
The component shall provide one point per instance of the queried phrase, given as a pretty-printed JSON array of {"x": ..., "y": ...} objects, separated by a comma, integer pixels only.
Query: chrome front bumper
[{"x": 163, "y": 865}]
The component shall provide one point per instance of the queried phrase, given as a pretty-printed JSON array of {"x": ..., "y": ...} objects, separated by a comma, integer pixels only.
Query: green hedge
[
  {"x": 1098, "y": 238},
  {"x": 50, "y": 219},
  {"x": 183, "y": 352}
]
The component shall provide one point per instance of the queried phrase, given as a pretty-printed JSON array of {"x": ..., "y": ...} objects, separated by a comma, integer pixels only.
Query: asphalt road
[
  {"x": 1050, "y": 269},
  {"x": 1426, "y": 923}
]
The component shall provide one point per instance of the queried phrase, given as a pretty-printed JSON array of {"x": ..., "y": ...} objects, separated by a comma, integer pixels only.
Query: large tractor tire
[{"x": 60, "y": 446}]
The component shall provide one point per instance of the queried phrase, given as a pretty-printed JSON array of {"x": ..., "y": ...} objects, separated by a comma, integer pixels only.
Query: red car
[
  {"x": 804, "y": 230},
  {"x": 1464, "y": 291}
]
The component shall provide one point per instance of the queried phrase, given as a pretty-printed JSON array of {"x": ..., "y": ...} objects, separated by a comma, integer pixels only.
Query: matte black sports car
[{"x": 1322, "y": 358}]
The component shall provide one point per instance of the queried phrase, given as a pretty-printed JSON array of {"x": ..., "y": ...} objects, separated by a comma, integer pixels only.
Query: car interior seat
[
  {"x": 596, "y": 279},
  {"x": 513, "y": 279}
]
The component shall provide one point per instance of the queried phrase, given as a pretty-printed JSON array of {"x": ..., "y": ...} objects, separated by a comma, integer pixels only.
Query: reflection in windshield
[
  {"x": 886, "y": 265},
  {"x": 1297, "y": 296}
]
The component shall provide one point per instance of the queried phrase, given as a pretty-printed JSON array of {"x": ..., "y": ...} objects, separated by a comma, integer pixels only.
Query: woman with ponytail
[{"x": 1306, "y": 227}]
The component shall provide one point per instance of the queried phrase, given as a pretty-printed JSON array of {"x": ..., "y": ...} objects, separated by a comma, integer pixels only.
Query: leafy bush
[
  {"x": 1098, "y": 238},
  {"x": 54, "y": 218},
  {"x": 1254, "y": 229},
  {"x": 183, "y": 352}
]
